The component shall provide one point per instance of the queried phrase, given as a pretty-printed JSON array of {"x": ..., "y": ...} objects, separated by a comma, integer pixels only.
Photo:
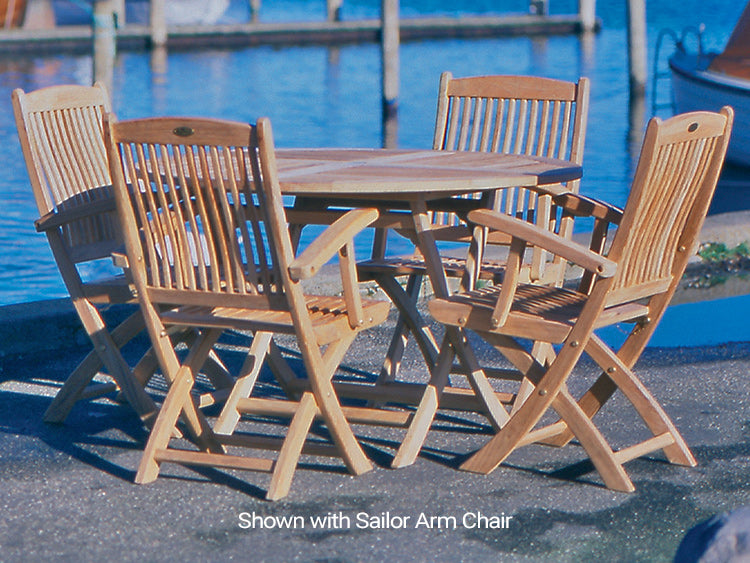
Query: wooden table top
[{"x": 412, "y": 173}]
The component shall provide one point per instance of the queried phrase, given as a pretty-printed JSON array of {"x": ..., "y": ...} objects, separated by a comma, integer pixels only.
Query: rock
[{"x": 724, "y": 538}]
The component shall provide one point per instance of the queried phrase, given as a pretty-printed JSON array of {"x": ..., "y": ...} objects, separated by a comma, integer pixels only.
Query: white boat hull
[
  {"x": 694, "y": 88},
  {"x": 176, "y": 12}
]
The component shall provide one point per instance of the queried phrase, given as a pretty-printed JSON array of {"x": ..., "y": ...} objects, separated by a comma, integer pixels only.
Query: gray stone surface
[{"x": 67, "y": 490}]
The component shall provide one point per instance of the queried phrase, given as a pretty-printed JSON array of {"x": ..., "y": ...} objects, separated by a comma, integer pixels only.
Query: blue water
[{"x": 319, "y": 96}]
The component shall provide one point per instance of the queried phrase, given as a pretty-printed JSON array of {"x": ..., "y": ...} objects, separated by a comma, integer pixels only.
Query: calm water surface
[{"x": 319, "y": 96}]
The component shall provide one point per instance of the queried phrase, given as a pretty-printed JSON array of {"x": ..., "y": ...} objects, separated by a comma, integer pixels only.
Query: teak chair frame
[
  {"x": 61, "y": 135},
  {"x": 206, "y": 233},
  {"x": 672, "y": 189},
  {"x": 499, "y": 113}
]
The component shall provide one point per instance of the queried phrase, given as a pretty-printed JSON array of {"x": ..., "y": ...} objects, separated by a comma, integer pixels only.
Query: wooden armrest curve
[
  {"x": 325, "y": 246},
  {"x": 59, "y": 217},
  {"x": 534, "y": 235},
  {"x": 583, "y": 206}
]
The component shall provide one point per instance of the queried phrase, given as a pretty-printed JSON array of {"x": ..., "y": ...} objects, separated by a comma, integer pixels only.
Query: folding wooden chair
[
  {"x": 206, "y": 233},
  {"x": 508, "y": 114},
  {"x": 676, "y": 176},
  {"x": 60, "y": 130}
]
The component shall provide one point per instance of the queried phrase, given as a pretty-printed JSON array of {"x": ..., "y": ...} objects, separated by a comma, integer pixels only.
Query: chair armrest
[
  {"x": 330, "y": 241},
  {"x": 582, "y": 206},
  {"x": 120, "y": 260},
  {"x": 532, "y": 234},
  {"x": 60, "y": 217}
]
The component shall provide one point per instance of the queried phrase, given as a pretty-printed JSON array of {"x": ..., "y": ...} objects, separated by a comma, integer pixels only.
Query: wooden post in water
[
  {"x": 118, "y": 6},
  {"x": 104, "y": 41},
  {"x": 389, "y": 40},
  {"x": 158, "y": 23},
  {"x": 254, "y": 10},
  {"x": 333, "y": 9},
  {"x": 587, "y": 13},
  {"x": 637, "y": 47},
  {"x": 539, "y": 7}
]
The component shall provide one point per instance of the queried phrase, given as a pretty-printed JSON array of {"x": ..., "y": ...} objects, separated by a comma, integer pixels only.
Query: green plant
[{"x": 719, "y": 252}]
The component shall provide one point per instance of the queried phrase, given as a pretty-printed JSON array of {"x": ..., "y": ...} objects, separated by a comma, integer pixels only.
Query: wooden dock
[{"x": 134, "y": 37}]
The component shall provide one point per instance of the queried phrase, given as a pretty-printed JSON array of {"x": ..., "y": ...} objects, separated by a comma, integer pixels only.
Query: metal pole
[
  {"x": 158, "y": 23},
  {"x": 390, "y": 69},
  {"x": 637, "y": 47},
  {"x": 104, "y": 42}
]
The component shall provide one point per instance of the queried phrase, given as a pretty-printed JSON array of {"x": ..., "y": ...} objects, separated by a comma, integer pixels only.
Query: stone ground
[
  {"x": 68, "y": 491},
  {"x": 68, "y": 494}
]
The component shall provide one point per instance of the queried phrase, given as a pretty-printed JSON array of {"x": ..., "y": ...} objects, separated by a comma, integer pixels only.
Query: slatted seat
[
  {"x": 633, "y": 283},
  {"x": 507, "y": 114},
  {"x": 218, "y": 184}
]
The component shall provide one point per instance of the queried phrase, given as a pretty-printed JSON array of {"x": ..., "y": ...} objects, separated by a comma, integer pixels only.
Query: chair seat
[
  {"x": 328, "y": 315},
  {"x": 551, "y": 310}
]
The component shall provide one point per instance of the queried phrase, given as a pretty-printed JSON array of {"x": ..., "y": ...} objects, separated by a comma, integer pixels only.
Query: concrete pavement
[{"x": 68, "y": 494}]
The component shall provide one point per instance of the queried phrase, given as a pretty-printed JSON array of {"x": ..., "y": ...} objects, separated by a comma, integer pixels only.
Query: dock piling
[
  {"x": 637, "y": 56},
  {"x": 333, "y": 10},
  {"x": 104, "y": 41},
  {"x": 389, "y": 42},
  {"x": 587, "y": 13},
  {"x": 158, "y": 23},
  {"x": 254, "y": 10}
]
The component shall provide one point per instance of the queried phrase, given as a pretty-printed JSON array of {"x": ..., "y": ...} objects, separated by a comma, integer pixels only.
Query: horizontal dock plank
[{"x": 79, "y": 38}]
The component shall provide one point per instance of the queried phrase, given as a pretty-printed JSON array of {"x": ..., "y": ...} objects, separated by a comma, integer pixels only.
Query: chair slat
[
  {"x": 204, "y": 206},
  {"x": 670, "y": 195}
]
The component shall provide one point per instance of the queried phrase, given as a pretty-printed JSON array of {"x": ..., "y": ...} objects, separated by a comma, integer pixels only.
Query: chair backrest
[
  {"x": 674, "y": 182},
  {"x": 517, "y": 115},
  {"x": 60, "y": 129},
  {"x": 205, "y": 216},
  {"x": 12, "y": 13},
  {"x": 512, "y": 114}
]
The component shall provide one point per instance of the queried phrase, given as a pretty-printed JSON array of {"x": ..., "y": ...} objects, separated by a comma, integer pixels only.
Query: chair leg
[
  {"x": 71, "y": 391},
  {"x": 179, "y": 402},
  {"x": 548, "y": 386},
  {"x": 428, "y": 405},
  {"x": 281, "y": 370},
  {"x": 545, "y": 355},
  {"x": 392, "y": 363},
  {"x": 161, "y": 433},
  {"x": 106, "y": 351},
  {"x": 230, "y": 414},
  {"x": 408, "y": 312},
  {"x": 618, "y": 375},
  {"x": 643, "y": 401},
  {"x": 291, "y": 449},
  {"x": 321, "y": 370},
  {"x": 481, "y": 386},
  {"x": 214, "y": 368},
  {"x": 596, "y": 446},
  {"x": 120, "y": 371}
]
